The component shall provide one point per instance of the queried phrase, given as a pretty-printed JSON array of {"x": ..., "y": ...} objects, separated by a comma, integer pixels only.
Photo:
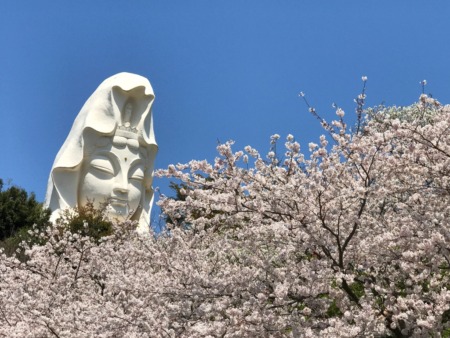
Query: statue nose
[{"x": 121, "y": 188}]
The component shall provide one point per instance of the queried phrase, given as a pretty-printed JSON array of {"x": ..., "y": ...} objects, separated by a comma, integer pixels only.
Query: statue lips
[{"x": 118, "y": 201}]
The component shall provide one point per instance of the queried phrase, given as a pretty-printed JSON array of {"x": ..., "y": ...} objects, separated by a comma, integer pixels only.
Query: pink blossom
[{"x": 350, "y": 241}]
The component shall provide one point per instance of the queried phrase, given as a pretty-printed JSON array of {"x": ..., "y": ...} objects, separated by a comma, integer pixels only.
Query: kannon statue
[{"x": 109, "y": 154}]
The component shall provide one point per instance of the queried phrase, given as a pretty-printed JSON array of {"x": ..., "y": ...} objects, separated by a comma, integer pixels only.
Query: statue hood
[{"x": 101, "y": 114}]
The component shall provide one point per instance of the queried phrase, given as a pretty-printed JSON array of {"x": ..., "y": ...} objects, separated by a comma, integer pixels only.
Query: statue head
[{"x": 108, "y": 156}]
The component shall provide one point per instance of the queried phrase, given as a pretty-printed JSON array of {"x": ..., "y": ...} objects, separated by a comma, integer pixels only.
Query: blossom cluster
[{"x": 347, "y": 239}]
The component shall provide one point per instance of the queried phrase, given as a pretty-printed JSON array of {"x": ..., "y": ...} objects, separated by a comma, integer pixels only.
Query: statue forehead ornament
[{"x": 126, "y": 133}]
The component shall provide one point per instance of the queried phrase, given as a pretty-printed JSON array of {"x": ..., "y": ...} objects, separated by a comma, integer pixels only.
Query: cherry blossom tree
[{"x": 346, "y": 239}]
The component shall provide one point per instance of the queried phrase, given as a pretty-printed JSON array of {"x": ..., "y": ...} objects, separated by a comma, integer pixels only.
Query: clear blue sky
[{"x": 220, "y": 69}]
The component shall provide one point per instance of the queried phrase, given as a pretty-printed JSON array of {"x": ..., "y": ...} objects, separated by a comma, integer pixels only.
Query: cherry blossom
[{"x": 349, "y": 239}]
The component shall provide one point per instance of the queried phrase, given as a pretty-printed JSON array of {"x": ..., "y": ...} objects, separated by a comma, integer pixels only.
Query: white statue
[{"x": 109, "y": 154}]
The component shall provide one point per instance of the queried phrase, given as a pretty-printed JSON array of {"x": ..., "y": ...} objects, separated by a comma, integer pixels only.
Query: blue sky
[{"x": 220, "y": 69}]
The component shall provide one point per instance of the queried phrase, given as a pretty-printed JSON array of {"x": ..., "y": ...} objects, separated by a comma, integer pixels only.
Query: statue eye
[
  {"x": 137, "y": 174},
  {"x": 102, "y": 165}
]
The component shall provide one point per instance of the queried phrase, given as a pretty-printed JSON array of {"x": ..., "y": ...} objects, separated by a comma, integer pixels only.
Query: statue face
[{"x": 114, "y": 175}]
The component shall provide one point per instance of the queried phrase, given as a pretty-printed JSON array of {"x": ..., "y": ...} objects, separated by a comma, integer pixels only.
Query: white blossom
[{"x": 351, "y": 241}]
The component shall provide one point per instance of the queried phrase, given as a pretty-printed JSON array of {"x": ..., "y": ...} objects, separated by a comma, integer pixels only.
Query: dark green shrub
[
  {"x": 18, "y": 209},
  {"x": 87, "y": 221}
]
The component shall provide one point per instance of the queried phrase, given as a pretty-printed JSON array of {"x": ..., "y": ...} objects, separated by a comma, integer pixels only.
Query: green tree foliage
[
  {"x": 21, "y": 216},
  {"x": 87, "y": 221},
  {"x": 19, "y": 210}
]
